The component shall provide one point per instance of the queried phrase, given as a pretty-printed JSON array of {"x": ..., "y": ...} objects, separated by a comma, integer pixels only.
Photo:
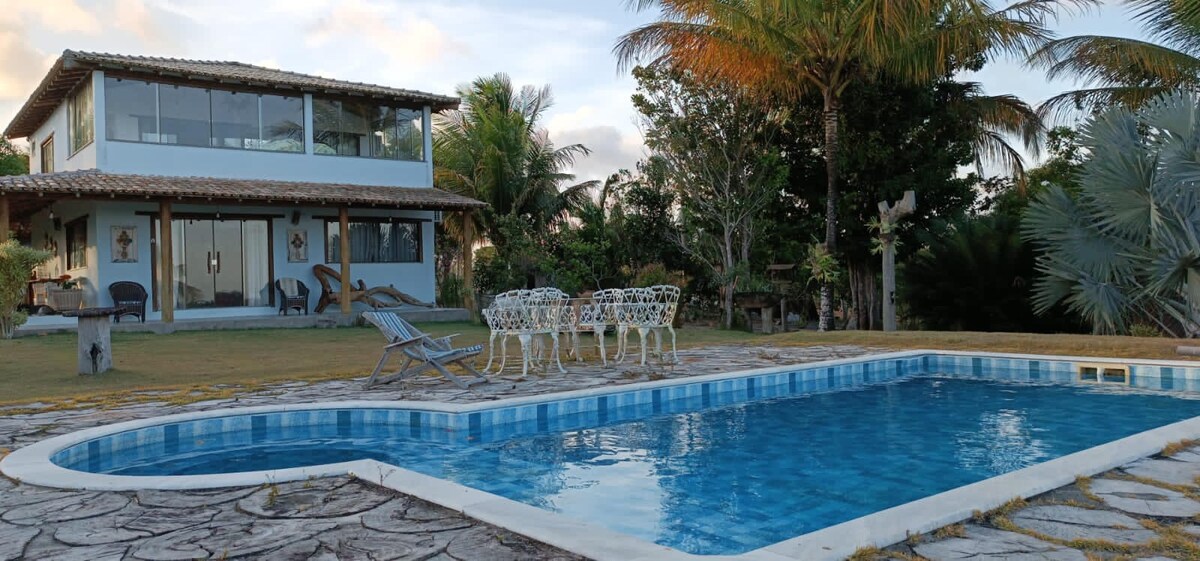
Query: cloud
[
  {"x": 60, "y": 16},
  {"x": 403, "y": 38},
  {"x": 135, "y": 18},
  {"x": 21, "y": 64},
  {"x": 611, "y": 149}
]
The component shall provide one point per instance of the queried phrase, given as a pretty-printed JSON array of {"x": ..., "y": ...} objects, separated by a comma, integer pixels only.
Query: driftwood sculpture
[{"x": 359, "y": 292}]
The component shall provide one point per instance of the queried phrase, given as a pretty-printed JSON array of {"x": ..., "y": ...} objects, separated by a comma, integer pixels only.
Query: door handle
[
  {"x": 209, "y": 262},
  {"x": 218, "y": 262}
]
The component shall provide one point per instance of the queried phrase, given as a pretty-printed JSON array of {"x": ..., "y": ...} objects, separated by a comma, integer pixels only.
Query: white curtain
[{"x": 255, "y": 265}]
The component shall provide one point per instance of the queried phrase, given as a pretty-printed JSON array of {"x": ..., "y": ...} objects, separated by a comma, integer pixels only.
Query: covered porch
[{"x": 232, "y": 245}]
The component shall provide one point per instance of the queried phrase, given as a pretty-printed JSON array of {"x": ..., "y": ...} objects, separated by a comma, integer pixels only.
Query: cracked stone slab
[
  {"x": 107, "y": 552},
  {"x": 313, "y": 500},
  {"x": 131, "y": 524},
  {"x": 229, "y": 540},
  {"x": 1139, "y": 498},
  {"x": 983, "y": 544},
  {"x": 28, "y": 494},
  {"x": 365, "y": 544},
  {"x": 1167, "y": 471},
  {"x": 404, "y": 516},
  {"x": 62, "y": 509},
  {"x": 1074, "y": 523},
  {"x": 192, "y": 499},
  {"x": 14, "y": 539},
  {"x": 484, "y": 542}
]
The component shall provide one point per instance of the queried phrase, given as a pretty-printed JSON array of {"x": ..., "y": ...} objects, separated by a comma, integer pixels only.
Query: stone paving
[
  {"x": 331, "y": 519},
  {"x": 1147, "y": 510}
]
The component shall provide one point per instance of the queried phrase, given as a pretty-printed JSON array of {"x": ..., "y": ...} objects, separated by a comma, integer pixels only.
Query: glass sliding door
[{"x": 221, "y": 263}]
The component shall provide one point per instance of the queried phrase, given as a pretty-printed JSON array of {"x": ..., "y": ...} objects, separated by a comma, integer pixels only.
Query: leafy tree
[
  {"x": 494, "y": 149},
  {"x": 1123, "y": 71},
  {"x": 979, "y": 277},
  {"x": 783, "y": 49},
  {"x": 1126, "y": 248},
  {"x": 13, "y": 160},
  {"x": 716, "y": 146}
]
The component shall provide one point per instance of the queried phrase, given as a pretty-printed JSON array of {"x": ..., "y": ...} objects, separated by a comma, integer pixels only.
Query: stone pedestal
[{"x": 95, "y": 339}]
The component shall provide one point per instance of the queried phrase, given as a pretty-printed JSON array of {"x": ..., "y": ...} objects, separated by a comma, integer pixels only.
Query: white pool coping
[{"x": 32, "y": 465}]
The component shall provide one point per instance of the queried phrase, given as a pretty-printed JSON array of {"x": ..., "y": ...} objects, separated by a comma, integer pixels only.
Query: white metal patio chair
[
  {"x": 425, "y": 351},
  {"x": 544, "y": 307},
  {"x": 649, "y": 310},
  {"x": 599, "y": 315},
  {"x": 503, "y": 318}
]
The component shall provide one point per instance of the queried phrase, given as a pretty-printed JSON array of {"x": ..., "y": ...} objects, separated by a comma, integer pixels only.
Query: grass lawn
[{"x": 43, "y": 368}]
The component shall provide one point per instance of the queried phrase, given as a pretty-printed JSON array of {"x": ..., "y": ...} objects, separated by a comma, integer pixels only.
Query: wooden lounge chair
[{"x": 421, "y": 352}]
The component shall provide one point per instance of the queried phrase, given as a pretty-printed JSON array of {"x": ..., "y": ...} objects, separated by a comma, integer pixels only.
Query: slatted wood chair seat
[{"x": 422, "y": 352}]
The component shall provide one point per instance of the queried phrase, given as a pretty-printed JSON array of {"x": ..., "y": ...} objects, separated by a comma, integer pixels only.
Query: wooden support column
[
  {"x": 5, "y": 220},
  {"x": 166, "y": 263},
  {"x": 468, "y": 260},
  {"x": 344, "y": 243}
]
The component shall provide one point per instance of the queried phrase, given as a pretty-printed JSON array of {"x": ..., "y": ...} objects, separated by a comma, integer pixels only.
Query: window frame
[
  {"x": 396, "y": 110},
  {"x": 42, "y": 155},
  {"x": 208, "y": 90},
  {"x": 78, "y": 224},
  {"x": 72, "y": 118},
  {"x": 419, "y": 227}
]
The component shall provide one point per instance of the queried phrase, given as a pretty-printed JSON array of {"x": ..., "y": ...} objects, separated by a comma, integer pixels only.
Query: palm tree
[
  {"x": 783, "y": 49},
  {"x": 1127, "y": 247},
  {"x": 494, "y": 149},
  {"x": 1122, "y": 71}
]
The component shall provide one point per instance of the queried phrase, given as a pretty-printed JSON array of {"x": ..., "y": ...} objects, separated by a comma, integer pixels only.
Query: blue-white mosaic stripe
[{"x": 583, "y": 412}]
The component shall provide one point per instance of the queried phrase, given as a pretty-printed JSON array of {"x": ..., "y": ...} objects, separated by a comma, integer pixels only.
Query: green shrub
[
  {"x": 450, "y": 292},
  {"x": 1144, "y": 330},
  {"x": 16, "y": 261}
]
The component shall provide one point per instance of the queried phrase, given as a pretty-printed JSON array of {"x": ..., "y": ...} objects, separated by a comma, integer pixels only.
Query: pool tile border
[{"x": 32, "y": 464}]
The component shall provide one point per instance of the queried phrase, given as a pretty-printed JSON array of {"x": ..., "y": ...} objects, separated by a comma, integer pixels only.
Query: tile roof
[
  {"x": 73, "y": 66},
  {"x": 94, "y": 183}
]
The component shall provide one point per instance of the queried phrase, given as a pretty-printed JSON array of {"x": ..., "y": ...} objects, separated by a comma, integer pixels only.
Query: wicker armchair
[
  {"x": 130, "y": 297},
  {"x": 293, "y": 295}
]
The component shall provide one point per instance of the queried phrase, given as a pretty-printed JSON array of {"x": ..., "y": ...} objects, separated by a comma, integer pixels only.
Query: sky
[{"x": 429, "y": 45}]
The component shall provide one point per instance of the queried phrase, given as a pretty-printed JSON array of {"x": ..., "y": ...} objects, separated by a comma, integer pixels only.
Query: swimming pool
[{"x": 715, "y": 465}]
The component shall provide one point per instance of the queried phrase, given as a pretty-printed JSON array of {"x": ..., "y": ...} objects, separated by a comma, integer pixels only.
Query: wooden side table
[{"x": 95, "y": 338}]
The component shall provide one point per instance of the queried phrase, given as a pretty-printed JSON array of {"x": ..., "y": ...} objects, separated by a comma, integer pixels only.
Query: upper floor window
[
  {"x": 355, "y": 128},
  {"x": 80, "y": 114},
  {"x": 167, "y": 114},
  {"x": 47, "y": 156}
]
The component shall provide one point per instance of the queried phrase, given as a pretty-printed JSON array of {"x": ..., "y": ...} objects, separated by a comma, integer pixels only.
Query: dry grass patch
[{"x": 1033, "y": 343}]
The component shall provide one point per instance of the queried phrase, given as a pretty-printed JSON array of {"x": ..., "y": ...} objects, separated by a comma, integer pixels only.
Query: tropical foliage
[
  {"x": 494, "y": 149},
  {"x": 16, "y": 261},
  {"x": 784, "y": 49},
  {"x": 13, "y": 160},
  {"x": 1126, "y": 248},
  {"x": 717, "y": 150},
  {"x": 1124, "y": 71}
]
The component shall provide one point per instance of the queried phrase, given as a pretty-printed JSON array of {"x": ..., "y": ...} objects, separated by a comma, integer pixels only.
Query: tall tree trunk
[
  {"x": 825, "y": 321},
  {"x": 864, "y": 294},
  {"x": 731, "y": 282}
]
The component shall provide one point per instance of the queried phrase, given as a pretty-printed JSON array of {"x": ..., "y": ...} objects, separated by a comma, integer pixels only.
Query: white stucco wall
[
  {"x": 416, "y": 279},
  {"x": 166, "y": 159},
  {"x": 43, "y": 232},
  {"x": 56, "y": 124}
]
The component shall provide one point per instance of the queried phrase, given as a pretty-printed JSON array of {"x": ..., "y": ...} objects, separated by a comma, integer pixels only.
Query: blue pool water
[{"x": 721, "y": 480}]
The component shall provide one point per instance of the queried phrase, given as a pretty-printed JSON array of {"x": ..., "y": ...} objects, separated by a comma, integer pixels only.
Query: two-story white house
[{"x": 205, "y": 182}]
